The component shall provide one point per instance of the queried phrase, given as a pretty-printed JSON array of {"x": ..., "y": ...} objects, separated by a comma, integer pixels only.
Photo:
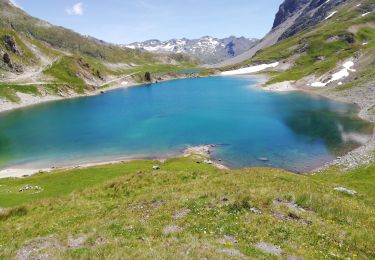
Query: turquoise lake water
[{"x": 294, "y": 131}]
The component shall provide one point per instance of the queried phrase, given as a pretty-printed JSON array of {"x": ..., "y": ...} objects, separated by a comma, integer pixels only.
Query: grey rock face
[
  {"x": 313, "y": 12},
  {"x": 287, "y": 9},
  {"x": 10, "y": 44}
]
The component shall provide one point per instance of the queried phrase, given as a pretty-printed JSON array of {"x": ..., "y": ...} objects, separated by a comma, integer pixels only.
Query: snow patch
[
  {"x": 318, "y": 84},
  {"x": 332, "y": 14},
  {"x": 337, "y": 76},
  {"x": 345, "y": 190},
  {"x": 363, "y": 15},
  {"x": 249, "y": 70}
]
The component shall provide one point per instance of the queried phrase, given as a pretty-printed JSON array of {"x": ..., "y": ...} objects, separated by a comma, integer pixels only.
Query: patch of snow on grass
[
  {"x": 345, "y": 190},
  {"x": 363, "y": 15},
  {"x": 251, "y": 69},
  {"x": 332, "y": 14},
  {"x": 337, "y": 76}
]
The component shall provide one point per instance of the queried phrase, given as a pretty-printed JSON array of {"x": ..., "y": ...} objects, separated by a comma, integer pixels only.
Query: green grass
[
  {"x": 8, "y": 91},
  {"x": 62, "y": 183},
  {"x": 67, "y": 70},
  {"x": 128, "y": 205}
]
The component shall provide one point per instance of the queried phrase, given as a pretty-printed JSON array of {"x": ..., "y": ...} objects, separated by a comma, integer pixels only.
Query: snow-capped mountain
[{"x": 207, "y": 49}]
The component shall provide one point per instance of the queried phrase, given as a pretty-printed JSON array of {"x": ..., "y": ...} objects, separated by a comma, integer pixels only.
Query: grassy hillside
[
  {"x": 188, "y": 210},
  {"x": 58, "y": 61},
  {"x": 318, "y": 50}
]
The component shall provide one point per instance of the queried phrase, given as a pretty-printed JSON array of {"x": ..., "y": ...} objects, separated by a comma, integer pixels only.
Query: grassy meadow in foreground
[{"x": 188, "y": 210}]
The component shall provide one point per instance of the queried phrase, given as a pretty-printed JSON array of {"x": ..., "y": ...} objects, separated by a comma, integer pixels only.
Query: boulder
[
  {"x": 207, "y": 162},
  {"x": 7, "y": 60},
  {"x": 148, "y": 76},
  {"x": 10, "y": 44}
]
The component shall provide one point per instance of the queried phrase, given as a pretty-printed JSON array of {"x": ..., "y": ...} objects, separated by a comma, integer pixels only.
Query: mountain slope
[
  {"x": 345, "y": 31},
  {"x": 44, "y": 60},
  {"x": 207, "y": 49},
  {"x": 294, "y": 17}
]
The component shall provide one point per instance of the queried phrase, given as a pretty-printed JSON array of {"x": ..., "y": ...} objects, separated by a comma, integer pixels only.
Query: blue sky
[{"x": 125, "y": 21}]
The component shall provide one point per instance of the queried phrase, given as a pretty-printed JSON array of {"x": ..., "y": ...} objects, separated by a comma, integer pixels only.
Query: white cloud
[
  {"x": 13, "y": 2},
  {"x": 76, "y": 9}
]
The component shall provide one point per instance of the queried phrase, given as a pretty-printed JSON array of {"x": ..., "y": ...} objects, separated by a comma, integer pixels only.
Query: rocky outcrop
[
  {"x": 293, "y": 17},
  {"x": 314, "y": 11},
  {"x": 12, "y": 66},
  {"x": 148, "y": 76},
  {"x": 7, "y": 60},
  {"x": 11, "y": 45},
  {"x": 287, "y": 10}
]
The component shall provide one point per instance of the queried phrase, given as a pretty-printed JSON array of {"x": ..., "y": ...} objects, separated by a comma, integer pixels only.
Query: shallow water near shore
[{"x": 294, "y": 131}]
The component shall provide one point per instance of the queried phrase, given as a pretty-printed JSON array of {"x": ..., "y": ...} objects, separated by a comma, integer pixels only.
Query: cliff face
[
  {"x": 312, "y": 12},
  {"x": 287, "y": 9}
]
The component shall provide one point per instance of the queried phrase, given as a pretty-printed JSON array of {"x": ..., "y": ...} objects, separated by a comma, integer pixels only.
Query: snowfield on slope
[
  {"x": 249, "y": 70},
  {"x": 337, "y": 76}
]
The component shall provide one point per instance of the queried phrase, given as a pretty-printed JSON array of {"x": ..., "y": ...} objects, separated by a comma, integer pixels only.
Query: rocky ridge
[{"x": 207, "y": 49}]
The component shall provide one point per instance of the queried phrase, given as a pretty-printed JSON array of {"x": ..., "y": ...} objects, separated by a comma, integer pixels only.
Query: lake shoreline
[
  {"x": 202, "y": 153},
  {"x": 28, "y": 100},
  {"x": 351, "y": 159},
  {"x": 363, "y": 99}
]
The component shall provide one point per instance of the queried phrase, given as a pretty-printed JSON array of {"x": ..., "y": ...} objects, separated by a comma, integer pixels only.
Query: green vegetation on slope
[
  {"x": 318, "y": 50},
  {"x": 189, "y": 210},
  {"x": 69, "y": 62}
]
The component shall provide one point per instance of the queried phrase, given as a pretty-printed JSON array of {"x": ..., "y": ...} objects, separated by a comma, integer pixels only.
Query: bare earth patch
[
  {"x": 171, "y": 229},
  {"x": 269, "y": 248},
  {"x": 39, "y": 248},
  {"x": 181, "y": 214}
]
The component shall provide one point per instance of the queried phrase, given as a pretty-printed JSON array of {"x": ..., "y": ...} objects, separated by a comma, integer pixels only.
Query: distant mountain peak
[{"x": 207, "y": 48}]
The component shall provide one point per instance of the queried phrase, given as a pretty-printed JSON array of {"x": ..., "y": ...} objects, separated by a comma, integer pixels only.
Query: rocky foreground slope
[{"x": 181, "y": 209}]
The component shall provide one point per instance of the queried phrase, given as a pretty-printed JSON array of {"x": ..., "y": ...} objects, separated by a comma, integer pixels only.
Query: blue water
[{"x": 294, "y": 131}]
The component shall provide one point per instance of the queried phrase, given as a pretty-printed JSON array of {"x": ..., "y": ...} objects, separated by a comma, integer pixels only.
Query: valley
[{"x": 190, "y": 148}]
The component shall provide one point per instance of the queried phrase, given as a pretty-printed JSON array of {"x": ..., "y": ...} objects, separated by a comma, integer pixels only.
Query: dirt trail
[
  {"x": 31, "y": 75},
  {"x": 118, "y": 79}
]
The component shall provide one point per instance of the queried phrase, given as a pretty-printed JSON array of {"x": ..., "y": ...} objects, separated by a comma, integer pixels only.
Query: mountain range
[{"x": 208, "y": 50}]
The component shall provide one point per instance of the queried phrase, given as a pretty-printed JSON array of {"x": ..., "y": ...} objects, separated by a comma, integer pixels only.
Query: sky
[{"x": 126, "y": 21}]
